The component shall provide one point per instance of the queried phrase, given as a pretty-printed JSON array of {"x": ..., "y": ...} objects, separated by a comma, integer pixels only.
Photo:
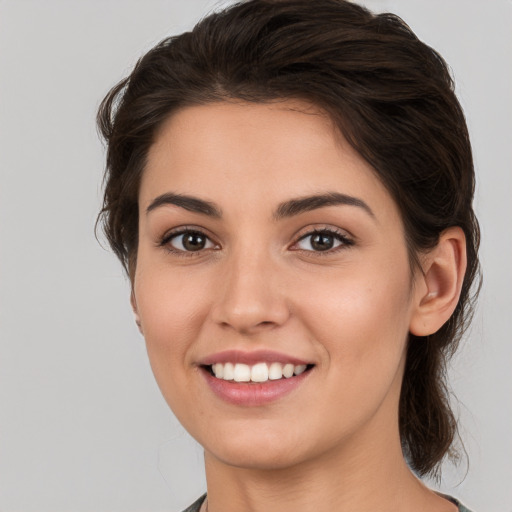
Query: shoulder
[
  {"x": 197, "y": 505},
  {"x": 461, "y": 507}
]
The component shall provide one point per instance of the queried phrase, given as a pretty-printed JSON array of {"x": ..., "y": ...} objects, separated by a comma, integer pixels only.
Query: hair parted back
[{"x": 389, "y": 94}]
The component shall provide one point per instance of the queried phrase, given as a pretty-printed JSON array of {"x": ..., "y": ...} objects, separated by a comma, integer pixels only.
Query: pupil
[
  {"x": 193, "y": 242},
  {"x": 322, "y": 242}
]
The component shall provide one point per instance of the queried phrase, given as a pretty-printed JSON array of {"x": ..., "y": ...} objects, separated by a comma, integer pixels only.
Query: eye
[
  {"x": 186, "y": 241},
  {"x": 323, "y": 240}
]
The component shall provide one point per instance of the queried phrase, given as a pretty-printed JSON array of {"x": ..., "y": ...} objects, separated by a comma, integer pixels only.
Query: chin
[
  {"x": 258, "y": 450},
  {"x": 256, "y": 458}
]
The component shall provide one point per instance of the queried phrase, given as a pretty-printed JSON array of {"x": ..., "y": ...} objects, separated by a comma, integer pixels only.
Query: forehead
[{"x": 246, "y": 154}]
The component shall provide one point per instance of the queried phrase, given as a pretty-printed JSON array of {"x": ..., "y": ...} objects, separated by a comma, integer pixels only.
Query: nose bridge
[{"x": 250, "y": 297}]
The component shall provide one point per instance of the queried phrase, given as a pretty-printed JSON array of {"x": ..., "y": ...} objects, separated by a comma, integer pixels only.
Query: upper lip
[{"x": 251, "y": 357}]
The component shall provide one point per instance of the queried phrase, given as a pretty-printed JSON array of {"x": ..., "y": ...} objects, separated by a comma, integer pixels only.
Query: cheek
[
  {"x": 360, "y": 327},
  {"x": 360, "y": 320},
  {"x": 172, "y": 312}
]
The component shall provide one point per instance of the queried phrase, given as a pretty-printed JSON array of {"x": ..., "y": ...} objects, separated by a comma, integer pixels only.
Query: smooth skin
[{"x": 256, "y": 282}]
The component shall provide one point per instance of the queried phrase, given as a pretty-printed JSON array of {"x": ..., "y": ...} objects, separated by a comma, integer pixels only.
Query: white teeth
[
  {"x": 242, "y": 373},
  {"x": 260, "y": 372},
  {"x": 275, "y": 372},
  {"x": 229, "y": 371},
  {"x": 288, "y": 370},
  {"x": 218, "y": 370},
  {"x": 301, "y": 368}
]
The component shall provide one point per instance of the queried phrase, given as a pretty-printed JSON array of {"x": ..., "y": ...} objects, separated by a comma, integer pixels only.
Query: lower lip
[{"x": 253, "y": 394}]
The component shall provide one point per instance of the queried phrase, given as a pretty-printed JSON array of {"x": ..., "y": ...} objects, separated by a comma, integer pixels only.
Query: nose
[{"x": 251, "y": 297}]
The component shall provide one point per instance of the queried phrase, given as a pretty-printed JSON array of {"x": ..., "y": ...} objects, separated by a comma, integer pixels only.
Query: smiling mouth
[{"x": 257, "y": 373}]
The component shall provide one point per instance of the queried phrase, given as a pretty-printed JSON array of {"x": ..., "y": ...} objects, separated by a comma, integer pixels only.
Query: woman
[{"x": 289, "y": 188}]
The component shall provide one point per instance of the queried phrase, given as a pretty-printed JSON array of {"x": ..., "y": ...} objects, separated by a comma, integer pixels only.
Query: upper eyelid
[
  {"x": 324, "y": 228},
  {"x": 345, "y": 239},
  {"x": 168, "y": 236}
]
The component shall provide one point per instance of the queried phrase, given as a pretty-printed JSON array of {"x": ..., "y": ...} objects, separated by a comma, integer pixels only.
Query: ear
[
  {"x": 135, "y": 309},
  {"x": 438, "y": 288}
]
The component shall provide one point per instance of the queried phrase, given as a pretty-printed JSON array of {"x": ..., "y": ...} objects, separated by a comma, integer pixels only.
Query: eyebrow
[{"x": 286, "y": 209}]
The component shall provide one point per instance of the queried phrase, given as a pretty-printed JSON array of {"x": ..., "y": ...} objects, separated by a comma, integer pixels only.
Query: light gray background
[{"x": 82, "y": 424}]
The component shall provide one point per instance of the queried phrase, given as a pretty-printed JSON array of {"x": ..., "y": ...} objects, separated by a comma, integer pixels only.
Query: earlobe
[
  {"x": 443, "y": 274},
  {"x": 135, "y": 309}
]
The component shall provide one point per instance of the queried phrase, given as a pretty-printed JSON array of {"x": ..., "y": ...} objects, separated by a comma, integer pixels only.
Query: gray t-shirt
[{"x": 197, "y": 504}]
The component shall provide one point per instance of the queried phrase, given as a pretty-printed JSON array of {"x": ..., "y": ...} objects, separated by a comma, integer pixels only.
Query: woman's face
[{"x": 238, "y": 273}]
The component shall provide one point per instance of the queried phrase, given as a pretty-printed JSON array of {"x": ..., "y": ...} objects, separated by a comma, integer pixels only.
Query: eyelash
[{"x": 338, "y": 235}]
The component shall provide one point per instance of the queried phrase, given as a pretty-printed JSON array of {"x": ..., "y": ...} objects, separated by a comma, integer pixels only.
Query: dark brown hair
[{"x": 390, "y": 95}]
